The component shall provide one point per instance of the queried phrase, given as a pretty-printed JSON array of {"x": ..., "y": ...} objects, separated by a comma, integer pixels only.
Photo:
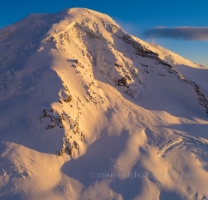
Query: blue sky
[{"x": 136, "y": 17}]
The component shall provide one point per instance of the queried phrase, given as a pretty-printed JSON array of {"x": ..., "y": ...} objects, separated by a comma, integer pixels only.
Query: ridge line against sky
[{"x": 137, "y": 18}]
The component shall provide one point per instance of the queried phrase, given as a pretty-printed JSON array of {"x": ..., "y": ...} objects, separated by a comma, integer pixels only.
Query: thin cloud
[
  {"x": 183, "y": 33},
  {"x": 129, "y": 27}
]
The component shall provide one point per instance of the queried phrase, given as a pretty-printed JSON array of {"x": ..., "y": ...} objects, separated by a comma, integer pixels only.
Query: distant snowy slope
[{"x": 88, "y": 111}]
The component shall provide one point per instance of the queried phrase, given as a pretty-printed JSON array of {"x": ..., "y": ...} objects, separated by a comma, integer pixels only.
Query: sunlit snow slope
[{"x": 88, "y": 111}]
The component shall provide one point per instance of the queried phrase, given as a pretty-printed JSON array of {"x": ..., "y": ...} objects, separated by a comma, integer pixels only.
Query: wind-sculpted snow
[{"x": 91, "y": 112}]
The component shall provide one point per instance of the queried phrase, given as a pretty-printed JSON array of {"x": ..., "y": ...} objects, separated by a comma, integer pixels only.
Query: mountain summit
[{"x": 89, "y": 111}]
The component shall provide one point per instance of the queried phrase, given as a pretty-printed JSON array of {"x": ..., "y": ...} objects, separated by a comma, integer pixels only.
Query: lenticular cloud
[{"x": 184, "y": 33}]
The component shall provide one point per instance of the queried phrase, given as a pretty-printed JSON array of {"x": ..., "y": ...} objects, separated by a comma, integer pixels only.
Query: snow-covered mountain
[{"x": 88, "y": 111}]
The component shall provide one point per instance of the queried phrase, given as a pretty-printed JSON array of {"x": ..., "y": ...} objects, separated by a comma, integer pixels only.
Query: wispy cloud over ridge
[{"x": 183, "y": 33}]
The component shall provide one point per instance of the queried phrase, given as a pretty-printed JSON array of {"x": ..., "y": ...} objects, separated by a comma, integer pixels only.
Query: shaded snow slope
[{"x": 91, "y": 112}]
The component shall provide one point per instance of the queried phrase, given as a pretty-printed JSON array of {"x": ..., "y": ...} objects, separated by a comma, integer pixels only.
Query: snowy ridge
[{"x": 91, "y": 112}]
